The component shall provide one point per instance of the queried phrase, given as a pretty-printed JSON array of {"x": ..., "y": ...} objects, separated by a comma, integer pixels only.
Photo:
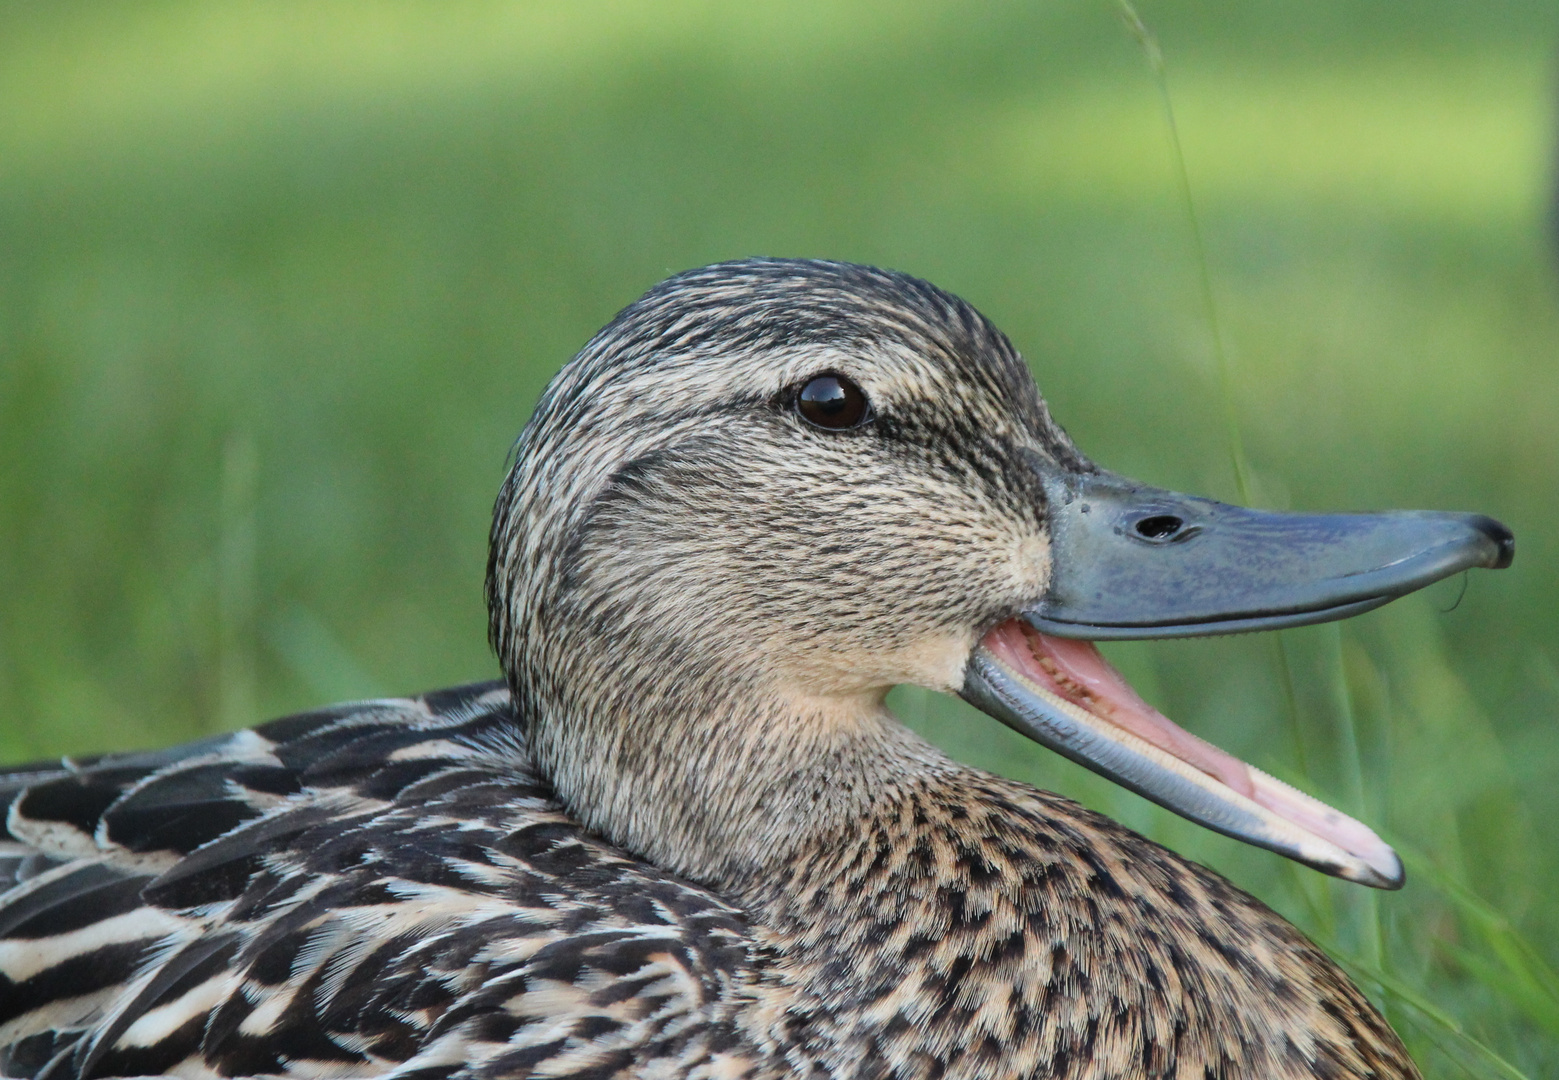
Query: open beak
[{"x": 1130, "y": 561}]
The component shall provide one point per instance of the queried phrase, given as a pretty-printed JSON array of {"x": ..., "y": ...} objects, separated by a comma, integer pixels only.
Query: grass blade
[
  {"x": 1155, "y": 57},
  {"x": 1517, "y": 971},
  {"x": 1427, "y": 1011}
]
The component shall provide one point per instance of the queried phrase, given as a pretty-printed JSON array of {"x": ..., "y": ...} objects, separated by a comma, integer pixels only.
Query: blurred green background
[{"x": 280, "y": 282}]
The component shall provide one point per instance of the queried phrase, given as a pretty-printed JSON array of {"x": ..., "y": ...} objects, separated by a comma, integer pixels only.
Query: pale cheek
[
  {"x": 1030, "y": 566},
  {"x": 935, "y": 661},
  {"x": 938, "y": 662},
  {"x": 833, "y": 658}
]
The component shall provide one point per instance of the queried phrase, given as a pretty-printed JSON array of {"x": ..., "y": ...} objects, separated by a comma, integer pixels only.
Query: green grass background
[{"x": 280, "y": 282}]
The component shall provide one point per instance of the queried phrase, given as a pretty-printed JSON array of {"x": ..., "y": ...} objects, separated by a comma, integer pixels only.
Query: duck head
[{"x": 770, "y": 490}]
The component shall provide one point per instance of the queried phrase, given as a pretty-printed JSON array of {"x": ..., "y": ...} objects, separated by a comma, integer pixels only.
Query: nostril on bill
[{"x": 1158, "y": 527}]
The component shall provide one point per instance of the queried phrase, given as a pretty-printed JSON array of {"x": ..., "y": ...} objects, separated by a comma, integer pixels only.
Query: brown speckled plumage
[
  {"x": 686, "y": 839},
  {"x": 979, "y": 928}
]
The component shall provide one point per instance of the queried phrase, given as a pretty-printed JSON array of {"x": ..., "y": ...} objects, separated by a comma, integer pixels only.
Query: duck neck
[{"x": 726, "y": 789}]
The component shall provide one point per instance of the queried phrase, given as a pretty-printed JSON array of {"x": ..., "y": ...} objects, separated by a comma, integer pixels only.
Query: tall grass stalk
[
  {"x": 1517, "y": 963},
  {"x": 1513, "y": 967},
  {"x": 1435, "y": 1021},
  {"x": 236, "y": 576},
  {"x": 1155, "y": 57},
  {"x": 1236, "y": 443},
  {"x": 1367, "y": 901}
]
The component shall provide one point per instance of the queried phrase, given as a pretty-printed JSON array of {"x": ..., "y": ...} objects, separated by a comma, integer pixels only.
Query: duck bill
[{"x": 1130, "y": 561}]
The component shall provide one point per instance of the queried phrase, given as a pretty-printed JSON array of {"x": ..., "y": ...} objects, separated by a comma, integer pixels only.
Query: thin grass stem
[
  {"x": 1236, "y": 443},
  {"x": 1155, "y": 57},
  {"x": 236, "y": 586},
  {"x": 1427, "y": 1011},
  {"x": 1368, "y": 923}
]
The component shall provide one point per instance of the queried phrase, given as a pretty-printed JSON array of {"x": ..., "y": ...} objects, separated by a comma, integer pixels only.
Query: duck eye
[{"x": 833, "y": 402}]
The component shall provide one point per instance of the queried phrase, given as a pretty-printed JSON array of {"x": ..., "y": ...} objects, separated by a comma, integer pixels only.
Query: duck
[{"x": 683, "y": 836}]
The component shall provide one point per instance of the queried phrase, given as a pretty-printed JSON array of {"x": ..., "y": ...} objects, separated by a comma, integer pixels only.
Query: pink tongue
[{"x": 1074, "y": 670}]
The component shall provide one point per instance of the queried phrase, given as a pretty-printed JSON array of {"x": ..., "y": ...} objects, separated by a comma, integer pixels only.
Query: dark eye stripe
[{"x": 832, "y": 402}]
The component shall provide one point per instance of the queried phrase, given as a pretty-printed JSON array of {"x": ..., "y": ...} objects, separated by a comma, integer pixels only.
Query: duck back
[{"x": 382, "y": 889}]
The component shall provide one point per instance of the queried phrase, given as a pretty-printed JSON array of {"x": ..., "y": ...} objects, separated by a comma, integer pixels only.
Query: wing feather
[{"x": 381, "y": 889}]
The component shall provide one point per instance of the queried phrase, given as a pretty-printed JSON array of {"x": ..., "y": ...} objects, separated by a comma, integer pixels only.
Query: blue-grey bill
[{"x": 1131, "y": 561}]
